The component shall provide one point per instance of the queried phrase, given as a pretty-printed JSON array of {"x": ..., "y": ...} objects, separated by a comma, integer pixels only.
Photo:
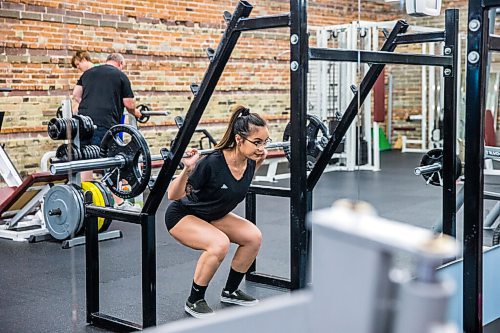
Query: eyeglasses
[{"x": 259, "y": 143}]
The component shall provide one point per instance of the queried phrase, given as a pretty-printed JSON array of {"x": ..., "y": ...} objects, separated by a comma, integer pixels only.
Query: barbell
[
  {"x": 146, "y": 113},
  {"x": 120, "y": 161},
  {"x": 317, "y": 137},
  {"x": 431, "y": 167},
  {"x": 269, "y": 146},
  {"x": 125, "y": 161},
  {"x": 129, "y": 161}
]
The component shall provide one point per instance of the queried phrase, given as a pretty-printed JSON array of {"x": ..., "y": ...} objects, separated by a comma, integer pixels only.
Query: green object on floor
[{"x": 383, "y": 143}]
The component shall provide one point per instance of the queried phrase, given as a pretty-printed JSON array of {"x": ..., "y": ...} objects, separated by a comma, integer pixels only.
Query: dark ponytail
[{"x": 242, "y": 123}]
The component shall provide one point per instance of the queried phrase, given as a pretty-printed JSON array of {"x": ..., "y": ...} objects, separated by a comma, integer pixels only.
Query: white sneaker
[{"x": 127, "y": 205}]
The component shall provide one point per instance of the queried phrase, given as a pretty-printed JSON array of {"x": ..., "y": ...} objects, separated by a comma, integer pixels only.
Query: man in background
[{"x": 102, "y": 92}]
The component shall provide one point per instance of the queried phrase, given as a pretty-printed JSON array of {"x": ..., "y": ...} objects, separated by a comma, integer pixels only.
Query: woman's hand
[{"x": 190, "y": 161}]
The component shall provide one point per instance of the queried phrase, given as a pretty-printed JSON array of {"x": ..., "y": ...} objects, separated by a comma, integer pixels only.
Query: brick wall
[{"x": 163, "y": 43}]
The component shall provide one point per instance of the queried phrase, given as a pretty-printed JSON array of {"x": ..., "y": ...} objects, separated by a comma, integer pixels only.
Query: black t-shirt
[
  {"x": 104, "y": 88},
  {"x": 213, "y": 192}
]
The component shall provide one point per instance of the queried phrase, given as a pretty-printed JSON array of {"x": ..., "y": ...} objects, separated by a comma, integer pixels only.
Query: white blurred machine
[{"x": 423, "y": 7}]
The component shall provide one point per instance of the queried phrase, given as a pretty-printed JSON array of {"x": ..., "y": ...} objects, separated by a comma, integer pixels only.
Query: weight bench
[{"x": 17, "y": 203}]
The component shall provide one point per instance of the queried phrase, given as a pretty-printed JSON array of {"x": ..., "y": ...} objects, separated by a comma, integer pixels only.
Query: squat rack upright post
[{"x": 480, "y": 42}]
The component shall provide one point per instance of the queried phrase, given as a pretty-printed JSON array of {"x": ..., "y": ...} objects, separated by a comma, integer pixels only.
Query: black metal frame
[
  {"x": 148, "y": 241},
  {"x": 301, "y": 186},
  {"x": 300, "y": 196},
  {"x": 250, "y": 214},
  {"x": 448, "y": 62},
  {"x": 479, "y": 44}
]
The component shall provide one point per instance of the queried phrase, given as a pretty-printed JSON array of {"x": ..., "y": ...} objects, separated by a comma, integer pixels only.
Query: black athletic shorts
[{"x": 175, "y": 212}]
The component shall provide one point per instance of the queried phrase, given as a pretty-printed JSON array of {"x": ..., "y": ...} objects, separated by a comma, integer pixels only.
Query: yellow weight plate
[
  {"x": 108, "y": 201},
  {"x": 97, "y": 199}
]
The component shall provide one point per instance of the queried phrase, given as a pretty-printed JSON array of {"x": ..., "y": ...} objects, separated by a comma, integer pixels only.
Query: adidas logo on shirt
[{"x": 224, "y": 187}]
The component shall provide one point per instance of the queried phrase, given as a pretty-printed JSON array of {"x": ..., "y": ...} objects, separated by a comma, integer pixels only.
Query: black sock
[
  {"x": 197, "y": 293},
  {"x": 233, "y": 280}
]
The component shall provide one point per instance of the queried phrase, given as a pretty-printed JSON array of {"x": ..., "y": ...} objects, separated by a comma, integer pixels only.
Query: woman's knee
[
  {"x": 257, "y": 237},
  {"x": 253, "y": 237},
  {"x": 219, "y": 247}
]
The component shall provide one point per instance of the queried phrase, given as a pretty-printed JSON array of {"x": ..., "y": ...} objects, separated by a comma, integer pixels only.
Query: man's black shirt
[{"x": 104, "y": 88}]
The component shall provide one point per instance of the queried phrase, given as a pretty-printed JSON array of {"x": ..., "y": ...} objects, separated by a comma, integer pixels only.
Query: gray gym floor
[{"x": 43, "y": 286}]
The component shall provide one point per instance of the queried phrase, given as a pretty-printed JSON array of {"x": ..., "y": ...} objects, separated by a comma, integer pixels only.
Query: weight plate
[
  {"x": 316, "y": 138},
  {"x": 133, "y": 173},
  {"x": 79, "y": 196},
  {"x": 62, "y": 211},
  {"x": 84, "y": 125},
  {"x": 436, "y": 156},
  {"x": 68, "y": 152},
  {"x": 109, "y": 202},
  {"x": 431, "y": 157},
  {"x": 60, "y": 129},
  {"x": 97, "y": 200},
  {"x": 143, "y": 119}
]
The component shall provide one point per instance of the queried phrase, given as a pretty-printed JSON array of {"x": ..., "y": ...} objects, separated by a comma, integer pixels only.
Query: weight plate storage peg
[
  {"x": 63, "y": 211},
  {"x": 137, "y": 169}
]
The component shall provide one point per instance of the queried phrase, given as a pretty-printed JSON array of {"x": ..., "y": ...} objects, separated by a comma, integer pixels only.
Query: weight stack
[{"x": 361, "y": 155}]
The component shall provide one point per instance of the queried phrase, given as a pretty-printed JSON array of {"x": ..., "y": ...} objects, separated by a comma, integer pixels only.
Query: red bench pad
[{"x": 15, "y": 198}]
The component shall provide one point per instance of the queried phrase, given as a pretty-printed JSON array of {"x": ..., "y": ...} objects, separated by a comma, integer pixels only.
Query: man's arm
[
  {"x": 77, "y": 98},
  {"x": 130, "y": 106}
]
